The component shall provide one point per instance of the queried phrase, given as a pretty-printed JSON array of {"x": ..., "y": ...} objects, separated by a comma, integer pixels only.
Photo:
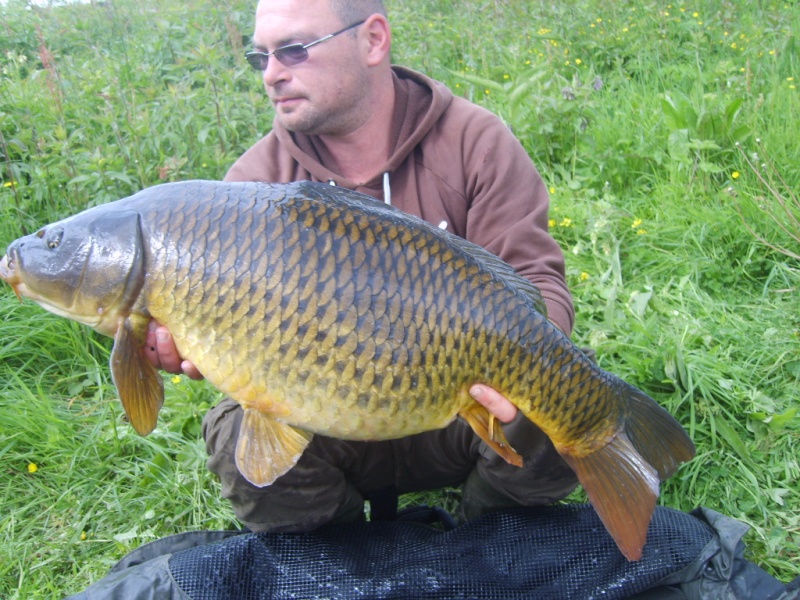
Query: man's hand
[
  {"x": 494, "y": 402},
  {"x": 160, "y": 350}
]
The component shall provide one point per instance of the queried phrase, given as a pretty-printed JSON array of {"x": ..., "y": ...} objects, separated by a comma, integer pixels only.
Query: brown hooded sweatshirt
[{"x": 452, "y": 163}]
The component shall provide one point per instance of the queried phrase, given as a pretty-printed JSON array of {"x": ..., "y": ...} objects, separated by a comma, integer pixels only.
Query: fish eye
[{"x": 54, "y": 238}]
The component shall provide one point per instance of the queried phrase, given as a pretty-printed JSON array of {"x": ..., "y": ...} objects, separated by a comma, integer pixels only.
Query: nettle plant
[{"x": 703, "y": 130}]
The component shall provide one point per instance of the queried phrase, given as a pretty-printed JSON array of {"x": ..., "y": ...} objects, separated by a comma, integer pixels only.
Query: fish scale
[{"x": 322, "y": 311}]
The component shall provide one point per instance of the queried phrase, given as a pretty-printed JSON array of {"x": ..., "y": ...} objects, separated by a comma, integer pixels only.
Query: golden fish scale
[{"x": 358, "y": 327}]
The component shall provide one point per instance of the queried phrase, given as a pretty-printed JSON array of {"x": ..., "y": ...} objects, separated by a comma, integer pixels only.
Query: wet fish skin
[{"x": 321, "y": 311}]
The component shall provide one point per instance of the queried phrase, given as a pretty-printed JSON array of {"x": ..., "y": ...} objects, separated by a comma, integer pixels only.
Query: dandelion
[
  {"x": 584, "y": 276},
  {"x": 32, "y": 467},
  {"x": 735, "y": 175}
]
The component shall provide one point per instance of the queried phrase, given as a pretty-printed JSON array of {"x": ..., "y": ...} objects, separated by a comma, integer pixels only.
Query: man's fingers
[
  {"x": 494, "y": 402},
  {"x": 190, "y": 370},
  {"x": 160, "y": 350},
  {"x": 150, "y": 349}
]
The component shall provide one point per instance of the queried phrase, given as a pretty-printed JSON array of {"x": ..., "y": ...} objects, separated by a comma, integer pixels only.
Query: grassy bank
[{"x": 637, "y": 114}]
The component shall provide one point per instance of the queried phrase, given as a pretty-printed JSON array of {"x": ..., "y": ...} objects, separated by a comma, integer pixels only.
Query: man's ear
[{"x": 378, "y": 39}]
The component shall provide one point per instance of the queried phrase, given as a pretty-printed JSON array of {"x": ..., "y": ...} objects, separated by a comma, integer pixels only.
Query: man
[{"x": 345, "y": 116}]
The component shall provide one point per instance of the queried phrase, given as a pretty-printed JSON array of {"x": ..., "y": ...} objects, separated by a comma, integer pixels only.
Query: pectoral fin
[
  {"x": 267, "y": 448},
  {"x": 487, "y": 427},
  {"x": 140, "y": 387}
]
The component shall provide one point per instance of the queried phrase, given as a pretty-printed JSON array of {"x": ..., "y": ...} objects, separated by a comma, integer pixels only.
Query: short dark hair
[{"x": 352, "y": 11}]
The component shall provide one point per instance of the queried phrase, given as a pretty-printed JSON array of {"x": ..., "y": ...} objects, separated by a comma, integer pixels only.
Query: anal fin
[
  {"x": 267, "y": 448},
  {"x": 487, "y": 427},
  {"x": 623, "y": 488},
  {"x": 140, "y": 387}
]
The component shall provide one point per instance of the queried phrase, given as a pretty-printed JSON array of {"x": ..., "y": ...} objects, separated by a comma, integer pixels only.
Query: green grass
[{"x": 632, "y": 112}]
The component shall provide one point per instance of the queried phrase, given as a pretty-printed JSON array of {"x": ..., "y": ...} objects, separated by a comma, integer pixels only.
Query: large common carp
[{"x": 323, "y": 311}]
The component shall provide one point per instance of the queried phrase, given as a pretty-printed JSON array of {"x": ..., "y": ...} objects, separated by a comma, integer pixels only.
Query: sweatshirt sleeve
[{"x": 508, "y": 211}]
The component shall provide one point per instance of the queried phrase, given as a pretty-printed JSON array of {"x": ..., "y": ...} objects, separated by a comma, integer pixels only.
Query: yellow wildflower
[
  {"x": 32, "y": 468},
  {"x": 636, "y": 223},
  {"x": 735, "y": 175},
  {"x": 565, "y": 222},
  {"x": 551, "y": 223},
  {"x": 83, "y": 535},
  {"x": 584, "y": 276},
  {"x": 176, "y": 379}
]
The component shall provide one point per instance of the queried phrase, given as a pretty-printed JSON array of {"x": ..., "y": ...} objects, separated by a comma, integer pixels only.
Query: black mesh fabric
[{"x": 557, "y": 552}]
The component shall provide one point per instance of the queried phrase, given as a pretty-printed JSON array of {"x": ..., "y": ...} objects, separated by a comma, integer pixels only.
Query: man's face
[{"x": 325, "y": 94}]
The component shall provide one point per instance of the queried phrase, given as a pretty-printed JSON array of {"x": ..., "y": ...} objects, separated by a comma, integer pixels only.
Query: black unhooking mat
[{"x": 558, "y": 552}]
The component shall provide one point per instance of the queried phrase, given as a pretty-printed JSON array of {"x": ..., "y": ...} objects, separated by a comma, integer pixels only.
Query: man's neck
[{"x": 361, "y": 154}]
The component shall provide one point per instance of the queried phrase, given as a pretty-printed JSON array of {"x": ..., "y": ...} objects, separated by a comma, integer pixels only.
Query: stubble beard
[{"x": 346, "y": 115}]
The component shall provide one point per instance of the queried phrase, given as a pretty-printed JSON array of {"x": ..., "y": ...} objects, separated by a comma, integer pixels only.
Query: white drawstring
[{"x": 387, "y": 191}]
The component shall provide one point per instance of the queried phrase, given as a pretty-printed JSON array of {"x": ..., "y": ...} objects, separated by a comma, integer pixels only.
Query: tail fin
[
  {"x": 622, "y": 478},
  {"x": 656, "y": 434}
]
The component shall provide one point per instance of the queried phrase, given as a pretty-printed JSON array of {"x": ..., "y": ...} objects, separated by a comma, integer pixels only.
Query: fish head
[{"x": 86, "y": 268}]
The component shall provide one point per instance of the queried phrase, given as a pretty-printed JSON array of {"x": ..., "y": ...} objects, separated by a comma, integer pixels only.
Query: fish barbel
[{"x": 321, "y": 310}]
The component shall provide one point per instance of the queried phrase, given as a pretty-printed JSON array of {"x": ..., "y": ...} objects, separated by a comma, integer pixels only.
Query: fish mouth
[{"x": 10, "y": 275}]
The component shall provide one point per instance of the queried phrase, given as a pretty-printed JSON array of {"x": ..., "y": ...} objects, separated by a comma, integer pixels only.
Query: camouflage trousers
[{"x": 333, "y": 477}]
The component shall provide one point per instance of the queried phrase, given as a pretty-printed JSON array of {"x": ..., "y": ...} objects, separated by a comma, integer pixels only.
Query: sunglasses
[{"x": 292, "y": 54}]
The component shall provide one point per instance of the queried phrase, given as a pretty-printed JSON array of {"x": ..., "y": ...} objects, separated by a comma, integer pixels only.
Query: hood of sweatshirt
[{"x": 419, "y": 102}]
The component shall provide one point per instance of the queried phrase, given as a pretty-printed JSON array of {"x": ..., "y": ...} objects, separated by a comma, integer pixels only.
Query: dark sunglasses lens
[
  {"x": 257, "y": 60},
  {"x": 291, "y": 55}
]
